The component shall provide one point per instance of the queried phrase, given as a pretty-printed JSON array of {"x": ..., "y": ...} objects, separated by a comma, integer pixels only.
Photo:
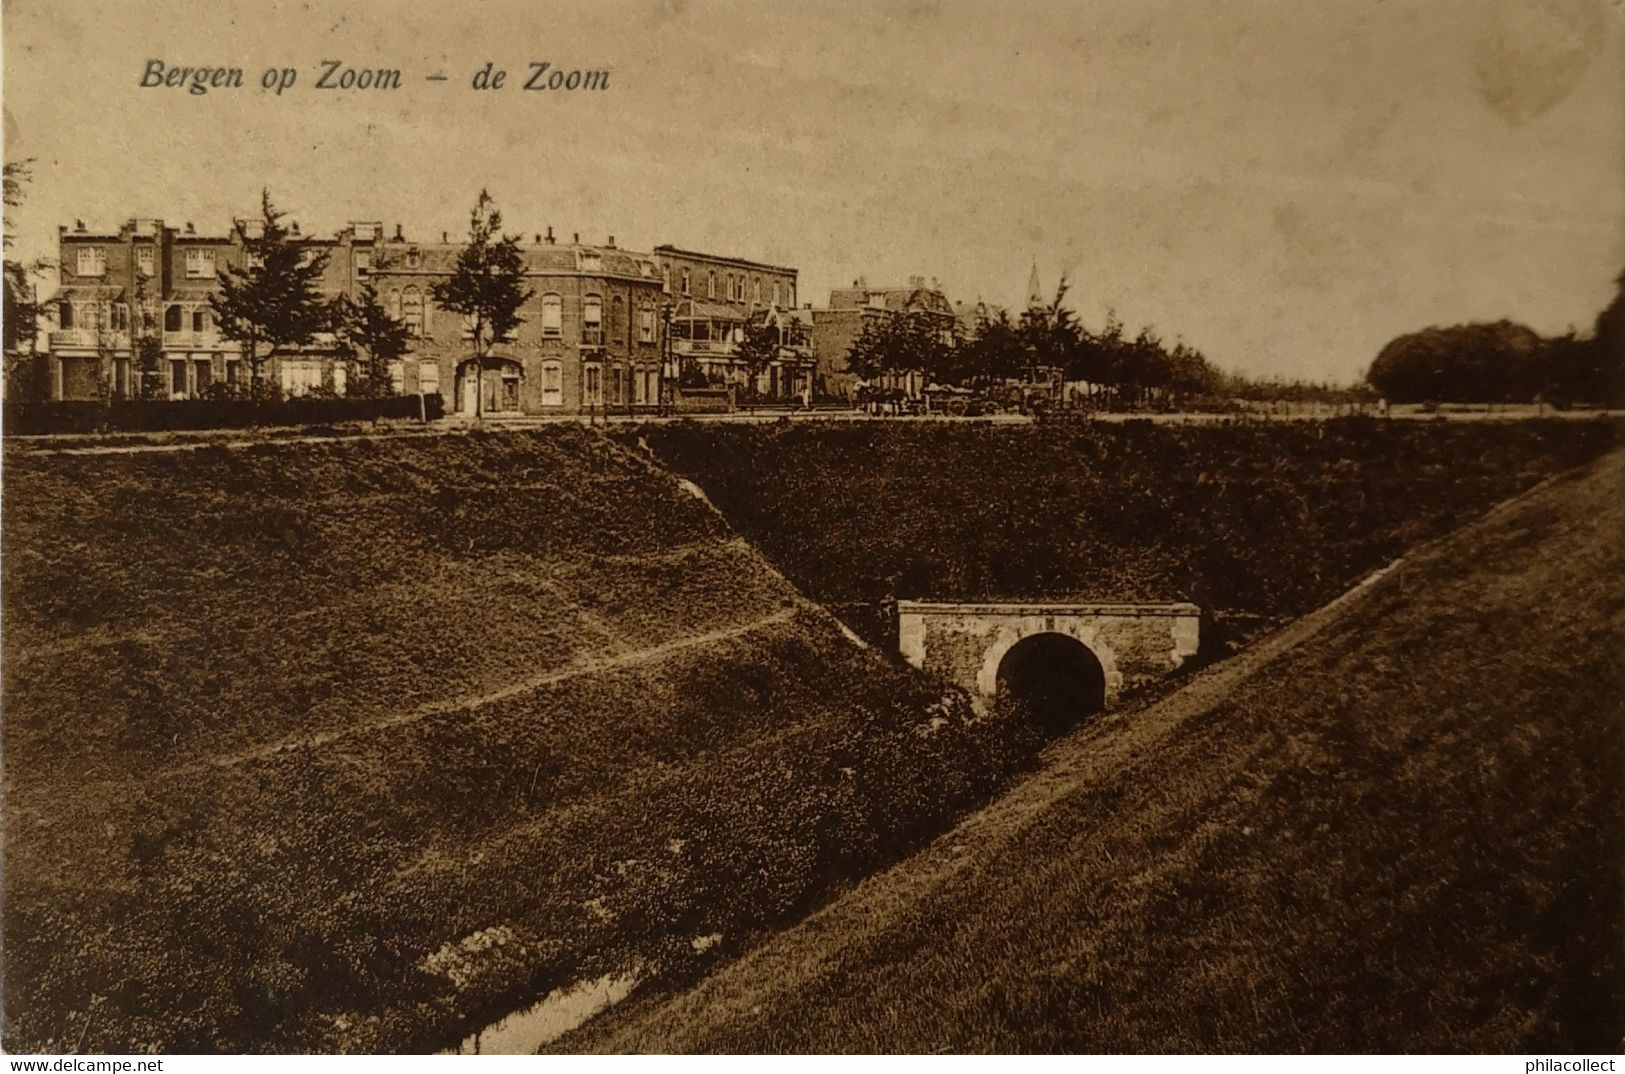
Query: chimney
[
  {"x": 398, "y": 236},
  {"x": 444, "y": 237},
  {"x": 190, "y": 230},
  {"x": 550, "y": 234},
  {"x": 538, "y": 240},
  {"x": 79, "y": 225},
  {"x": 612, "y": 242},
  {"x": 292, "y": 229},
  {"x": 575, "y": 238}
]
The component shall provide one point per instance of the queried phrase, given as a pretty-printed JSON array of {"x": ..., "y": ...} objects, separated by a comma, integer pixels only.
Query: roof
[
  {"x": 723, "y": 259},
  {"x": 546, "y": 259},
  {"x": 894, "y": 298},
  {"x": 99, "y": 291},
  {"x": 715, "y": 311}
]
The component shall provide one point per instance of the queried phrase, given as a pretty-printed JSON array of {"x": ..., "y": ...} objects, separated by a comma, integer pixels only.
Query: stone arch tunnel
[{"x": 1060, "y": 658}]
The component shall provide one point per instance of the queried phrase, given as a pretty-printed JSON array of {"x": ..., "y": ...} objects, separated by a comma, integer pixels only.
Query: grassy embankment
[
  {"x": 359, "y": 744},
  {"x": 1253, "y": 522},
  {"x": 1405, "y": 833}
]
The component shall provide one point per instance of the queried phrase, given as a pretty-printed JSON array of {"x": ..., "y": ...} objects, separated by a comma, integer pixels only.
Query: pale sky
[{"x": 1286, "y": 185}]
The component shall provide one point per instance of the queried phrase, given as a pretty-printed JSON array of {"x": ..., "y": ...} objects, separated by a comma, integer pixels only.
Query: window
[
  {"x": 177, "y": 378},
  {"x": 202, "y": 374},
  {"x": 646, "y": 324},
  {"x": 776, "y": 292},
  {"x": 64, "y": 314},
  {"x": 617, "y": 320},
  {"x": 758, "y": 290},
  {"x": 552, "y": 384},
  {"x": 651, "y": 386},
  {"x": 234, "y": 372},
  {"x": 412, "y": 311},
  {"x": 121, "y": 377},
  {"x": 739, "y": 290},
  {"x": 413, "y": 258},
  {"x": 393, "y": 303},
  {"x": 200, "y": 320},
  {"x": 710, "y": 285},
  {"x": 199, "y": 263},
  {"x": 790, "y": 295},
  {"x": 592, "y": 319},
  {"x": 592, "y": 391},
  {"x": 120, "y": 317},
  {"x": 397, "y": 377},
  {"x": 172, "y": 319},
  {"x": 92, "y": 261},
  {"x": 147, "y": 322},
  {"x": 685, "y": 281},
  {"x": 81, "y": 378},
  {"x": 302, "y": 375},
  {"x": 429, "y": 377},
  {"x": 363, "y": 262},
  {"x": 552, "y": 316},
  {"x": 591, "y": 261},
  {"x": 146, "y": 261}
]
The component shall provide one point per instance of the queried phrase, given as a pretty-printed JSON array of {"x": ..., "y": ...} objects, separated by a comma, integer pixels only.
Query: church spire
[{"x": 1035, "y": 293}]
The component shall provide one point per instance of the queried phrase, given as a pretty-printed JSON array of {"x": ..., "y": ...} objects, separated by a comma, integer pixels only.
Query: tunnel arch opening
[{"x": 1052, "y": 678}]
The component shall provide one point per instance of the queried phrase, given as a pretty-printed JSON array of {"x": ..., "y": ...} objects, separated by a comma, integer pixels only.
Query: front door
[{"x": 468, "y": 387}]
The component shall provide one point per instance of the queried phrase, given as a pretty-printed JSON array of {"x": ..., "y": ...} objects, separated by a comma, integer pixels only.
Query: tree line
[
  {"x": 1506, "y": 362},
  {"x": 1039, "y": 344}
]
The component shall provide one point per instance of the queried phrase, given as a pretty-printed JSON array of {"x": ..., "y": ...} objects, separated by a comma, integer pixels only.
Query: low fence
[
  {"x": 163, "y": 415},
  {"x": 703, "y": 400}
]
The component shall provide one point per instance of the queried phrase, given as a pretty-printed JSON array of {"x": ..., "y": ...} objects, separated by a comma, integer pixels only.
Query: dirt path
[{"x": 590, "y": 666}]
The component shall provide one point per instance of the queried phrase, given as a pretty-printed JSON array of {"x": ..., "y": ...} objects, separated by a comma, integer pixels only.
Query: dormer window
[
  {"x": 92, "y": 261},
  {"x": 414, "y": 257},
  {"x": 591, "y": 261}
]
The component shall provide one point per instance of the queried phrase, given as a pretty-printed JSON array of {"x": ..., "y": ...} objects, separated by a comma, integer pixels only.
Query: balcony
[
  {"x": 88, "y": 338},
  {"x": 711, "y": 348},
  {"x": 184, "y": 341}
]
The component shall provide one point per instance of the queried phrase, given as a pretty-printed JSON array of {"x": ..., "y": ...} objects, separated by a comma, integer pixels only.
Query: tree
[
  {"x": 275, "y": 298},
  {"x": 24, "y": 373},
  {"x": 758, "y": 350},
  {"x": 372, "y": 340},
  {"x": 909, "y": 340},
  {"x": 486, "y": 286},
  {"x": 1469, "y": 363}
]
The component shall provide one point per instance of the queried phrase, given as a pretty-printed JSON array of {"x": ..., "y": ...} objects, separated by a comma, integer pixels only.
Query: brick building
[
  {"x": 837, "y": 326},
  {"x": 591, "y": 337},
  {"x": 716, "y": 300}
]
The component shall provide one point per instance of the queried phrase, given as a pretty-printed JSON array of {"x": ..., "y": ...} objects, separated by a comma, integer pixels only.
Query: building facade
[
  {"x": 837, "y": 326},
  {"x": 591, "y": 339},
  {"x": 716, "y": 301}
]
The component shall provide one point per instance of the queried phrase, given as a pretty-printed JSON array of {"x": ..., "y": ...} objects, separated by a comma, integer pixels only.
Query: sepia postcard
[{"x": 904, "y": 527}]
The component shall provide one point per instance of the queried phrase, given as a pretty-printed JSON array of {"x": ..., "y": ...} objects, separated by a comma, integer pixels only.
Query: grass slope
[
  {"x": 356, "y": 744},
  {"x": 1253, "y": 522},
  {"x": 1402, "y": 827}
]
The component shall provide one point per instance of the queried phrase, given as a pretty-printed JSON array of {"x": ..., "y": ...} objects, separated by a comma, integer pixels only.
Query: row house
[
  {"x": 716, "y": 300},
  {"x": 592, "y": 335},
  {"x": 837, "y": 326},
  {"x": 144, "y": 280}
]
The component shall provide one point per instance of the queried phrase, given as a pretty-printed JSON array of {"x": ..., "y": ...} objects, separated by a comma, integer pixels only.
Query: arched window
[
  {"x": 685, "y": 281},
  {"x": 552, "y": 316},
  {"x": 711, "y": 285},
  {"x": 172, "y": 319},
  {"x": 412, "y": 310},
  {"x": 592, "y": 319}
]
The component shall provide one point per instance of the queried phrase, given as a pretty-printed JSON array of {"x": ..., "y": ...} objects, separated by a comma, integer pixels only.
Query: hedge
[{"x": 163, "y": 415}]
